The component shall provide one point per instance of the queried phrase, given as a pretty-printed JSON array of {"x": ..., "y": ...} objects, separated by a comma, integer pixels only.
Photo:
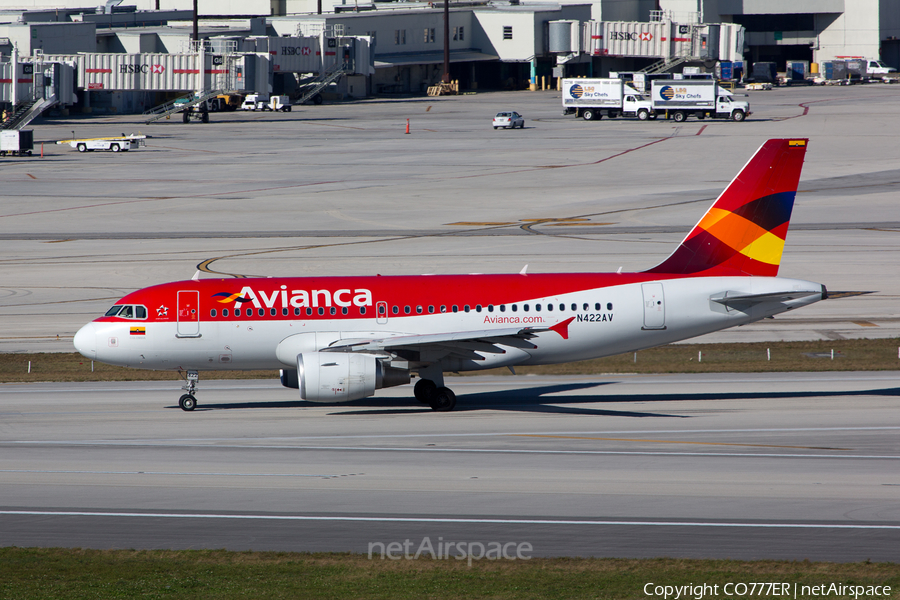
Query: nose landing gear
[{"x": 188, "y": 402}]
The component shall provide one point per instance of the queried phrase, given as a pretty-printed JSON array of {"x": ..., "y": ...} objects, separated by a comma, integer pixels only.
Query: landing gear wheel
[
  {"x": 443, "y": 400},
  {"x": 187, "y": 402},
  {"x": 424, "y": 390}
]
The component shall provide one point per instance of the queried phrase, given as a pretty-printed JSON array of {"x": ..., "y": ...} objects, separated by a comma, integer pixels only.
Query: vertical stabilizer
[{"x": 746, "y": 227}]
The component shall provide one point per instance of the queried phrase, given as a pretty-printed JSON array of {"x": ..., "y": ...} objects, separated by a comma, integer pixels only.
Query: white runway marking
[
  {"x": 150, "y": 515},
  {"x": 466, "y": 450}
]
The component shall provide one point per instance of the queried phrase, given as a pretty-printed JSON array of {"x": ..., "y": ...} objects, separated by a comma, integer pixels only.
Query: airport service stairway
[
  {"x": 331, "y": 75},
  {"x": 180, "y": 104},
  {"x": 26, "y": 112}
]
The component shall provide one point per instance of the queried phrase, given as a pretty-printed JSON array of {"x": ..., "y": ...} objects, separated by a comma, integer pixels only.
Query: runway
[{"x": 744, "y": 466}]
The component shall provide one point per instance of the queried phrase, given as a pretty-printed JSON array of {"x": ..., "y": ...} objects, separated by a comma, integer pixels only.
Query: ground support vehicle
[
  {"x": 121, "y": 143},
  {"x": 16, "y": 142},
  {"x": 593, "y": 99},
  {"x": 680, "y": 98}
]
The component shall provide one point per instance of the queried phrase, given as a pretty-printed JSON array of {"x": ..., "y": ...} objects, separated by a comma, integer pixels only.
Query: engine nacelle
[{"x": 343, "y": 376}]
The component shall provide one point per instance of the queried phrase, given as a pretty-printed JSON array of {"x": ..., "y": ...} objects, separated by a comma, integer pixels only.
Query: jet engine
[{"x": 341, "y": 376}]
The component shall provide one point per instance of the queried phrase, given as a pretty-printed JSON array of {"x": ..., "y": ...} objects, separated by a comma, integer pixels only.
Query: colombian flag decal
[{"x": 138, "y": 331}]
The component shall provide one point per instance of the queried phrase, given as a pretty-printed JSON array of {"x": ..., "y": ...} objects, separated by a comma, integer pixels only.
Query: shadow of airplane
[{"x": 539, "y": 399}]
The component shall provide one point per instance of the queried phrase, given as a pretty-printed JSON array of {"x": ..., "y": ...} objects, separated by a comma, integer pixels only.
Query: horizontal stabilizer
[{"x": 745, "y": 299}]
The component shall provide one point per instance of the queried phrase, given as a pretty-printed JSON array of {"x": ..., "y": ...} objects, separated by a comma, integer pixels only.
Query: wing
[{"x": 462, "y": 344}]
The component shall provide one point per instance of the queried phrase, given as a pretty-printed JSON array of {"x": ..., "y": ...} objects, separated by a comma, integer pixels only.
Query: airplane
[{"x": 341, "y": 338}]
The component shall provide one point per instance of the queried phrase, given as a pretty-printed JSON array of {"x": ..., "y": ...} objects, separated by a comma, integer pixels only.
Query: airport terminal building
[{"x": 397, "y": 47}]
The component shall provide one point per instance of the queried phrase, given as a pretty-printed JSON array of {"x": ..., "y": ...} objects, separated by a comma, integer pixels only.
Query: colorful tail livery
[
  {"x": 745, "y": 230},
  {"x": 337, "y": 339}
]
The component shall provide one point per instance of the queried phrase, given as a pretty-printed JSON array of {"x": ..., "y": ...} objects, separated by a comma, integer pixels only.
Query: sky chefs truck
[
  {"x": 593, "y": 99},
  {"x": 680, "y": 98}
]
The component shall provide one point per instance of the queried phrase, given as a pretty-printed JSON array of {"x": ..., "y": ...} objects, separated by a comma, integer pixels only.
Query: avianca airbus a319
[{"x": 341, "y": 338}]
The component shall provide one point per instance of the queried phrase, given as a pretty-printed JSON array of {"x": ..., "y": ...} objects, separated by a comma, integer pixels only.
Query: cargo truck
[
  {"x": 593, "y": 99},
  {"x": 680, "y": 98}
]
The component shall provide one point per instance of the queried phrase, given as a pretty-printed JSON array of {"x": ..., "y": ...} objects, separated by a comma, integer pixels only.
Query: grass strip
[
  {"x": 55, "y": 573},
  {"x": 849, "y": 355}
]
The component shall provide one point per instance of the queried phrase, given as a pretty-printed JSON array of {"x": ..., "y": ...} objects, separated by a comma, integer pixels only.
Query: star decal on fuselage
[{"x": 162, "y": 311}]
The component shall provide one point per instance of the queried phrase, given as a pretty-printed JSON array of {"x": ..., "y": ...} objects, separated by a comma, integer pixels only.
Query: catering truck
[
  {"x": 680, "y": 98},
  {"x": 597, "y": 98}
]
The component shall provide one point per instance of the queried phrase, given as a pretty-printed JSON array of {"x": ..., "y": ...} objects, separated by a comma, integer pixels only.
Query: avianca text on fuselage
[{"x": 341, "y": 338}]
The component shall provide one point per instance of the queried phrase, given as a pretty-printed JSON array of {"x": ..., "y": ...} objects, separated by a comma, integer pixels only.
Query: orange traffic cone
[{"x": 407, "y": 126}]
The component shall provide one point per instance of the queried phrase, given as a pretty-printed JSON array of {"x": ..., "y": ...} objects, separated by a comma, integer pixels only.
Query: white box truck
[
  {"x": 680, "y": 98},
  {"x": 593, "y": 99}
]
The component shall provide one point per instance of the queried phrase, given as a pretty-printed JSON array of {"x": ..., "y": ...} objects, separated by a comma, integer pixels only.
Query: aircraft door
[
  {"x": 381, "y": 314},
  {"x": 654, "y": 306},
  {"x": 188, "y": 314}
]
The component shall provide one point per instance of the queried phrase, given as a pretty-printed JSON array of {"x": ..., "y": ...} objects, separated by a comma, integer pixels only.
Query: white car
[{"x": 510, "y": 120}]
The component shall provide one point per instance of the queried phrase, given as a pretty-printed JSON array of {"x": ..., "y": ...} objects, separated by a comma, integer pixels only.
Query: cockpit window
[{"x": 127, "y": 311}]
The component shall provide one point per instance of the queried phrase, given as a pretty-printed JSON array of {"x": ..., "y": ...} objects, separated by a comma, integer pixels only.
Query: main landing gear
[
  {"x": 188, "y": 401},
  {"x": 441, "y": 399}
]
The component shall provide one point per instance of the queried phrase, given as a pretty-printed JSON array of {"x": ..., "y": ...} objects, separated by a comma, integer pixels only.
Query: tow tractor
[{"x": 121, "y": 143}]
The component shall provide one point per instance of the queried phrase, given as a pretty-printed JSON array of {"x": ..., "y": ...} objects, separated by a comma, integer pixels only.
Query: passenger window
[
  {"x": 224, "y": 312},
  {"x": 212, "y": 313},
  {"x": 537, "y": 307},
  {"x": 362, "y": 310},
  {"x": 273, "y": 312},
  {"x": 406, "y": 309},
  {"x": 502, "y": 308},
  {"x": 395, "y": 310},
  {"x": 431, "y": 309},
  {"x": 140, "y": 312},
  {"x": 477, "y": 308},
  {"x": 466, "y": 308},
  {"x": 296, "y": 312},
  {"x": 455, "y": 308},
  {"x": 261, "y": 312},
  {"x": 113, "y": 311},
  {"x": 490, "y": 308},
  {"x": 575, "y": 306},
  {"x": 609, "y": 306},
  {"x": 515, "y": 307},
  {"x": 308, "y": 311},
  {"x": 418, "y": 310},
  {"x": 550, "y": 306},
  {"x": 525, "y": 307},
  {"x": 237, "y": 312},
  {"x": 333, "y": 311},
  {"x": 344, "y": 311},
  {"x": 443, "y": 308},
  {"x": 586, "y": 306},
  {"x": 284, "y": 312},
  {"x": 321, "y": 311},
  {"x": 596, "y": 306}
]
